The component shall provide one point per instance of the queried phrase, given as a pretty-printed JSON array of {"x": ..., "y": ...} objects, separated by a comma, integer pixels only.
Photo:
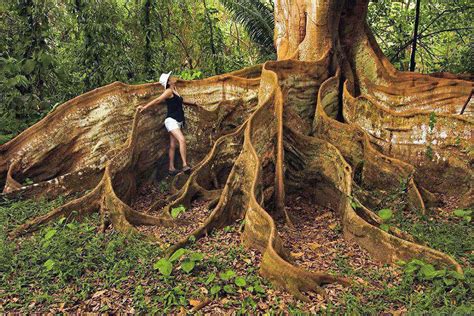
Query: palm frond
[{"x": 257, "y": 19}]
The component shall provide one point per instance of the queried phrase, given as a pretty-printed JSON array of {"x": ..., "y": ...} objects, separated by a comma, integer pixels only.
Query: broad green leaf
[
  {"x": 48, "y": 264},
  {"x": 71, "y": 225},
  {"x": 258, "y": 288},
  {"x": 19, "y": 80},
  {"x": 411, "y": 268},
  {"x": 354, "y": 204},
  {"x": 215, "y": 289},
  {"x": 60, "y": 73},
  {"x": 177, "y": 254},
  {"x": 188, "y": 266},
  {"x": 175, "y": 211},
  {"x": 229, "y": 288},
  {"x": 239, "y": 281},
  {"x": 164, "y": 266},
  {"x": 50, "y": 234},
  {"x": 196, "y": 256},
  {"x": 428, "y": 271},
  {"x": 385, "y": 214},
  {"x": 229, "y": 274},
  {"x": 449, "y": 281},
  {"x": 462, "y": 213},
  {"x": 46, "y": 60},
  {"x": 210, "y": 278},
  {"x": 417, "y": 262}
]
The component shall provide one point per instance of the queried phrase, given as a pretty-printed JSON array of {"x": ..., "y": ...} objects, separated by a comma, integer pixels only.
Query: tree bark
[
  {"x": 331, "y": 117},
  {"x": 415, "y": 36}
]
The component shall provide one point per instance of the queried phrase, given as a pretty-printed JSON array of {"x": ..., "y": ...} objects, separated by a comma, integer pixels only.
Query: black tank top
[{"x": 175, "y": 108}]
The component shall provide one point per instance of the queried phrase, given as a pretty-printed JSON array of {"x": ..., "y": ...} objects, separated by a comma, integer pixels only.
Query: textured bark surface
[{"x": 331, "y": 117}]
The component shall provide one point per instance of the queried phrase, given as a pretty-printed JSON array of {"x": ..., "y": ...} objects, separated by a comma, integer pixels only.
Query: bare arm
[{"x": 165, "y": 95}]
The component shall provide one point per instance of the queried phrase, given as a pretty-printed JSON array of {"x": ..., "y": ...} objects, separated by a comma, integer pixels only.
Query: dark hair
[{"x": 168, "y": 83}]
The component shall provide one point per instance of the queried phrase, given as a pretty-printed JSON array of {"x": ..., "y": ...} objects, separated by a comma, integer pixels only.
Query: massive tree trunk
[{"x": 331, "y": 117}]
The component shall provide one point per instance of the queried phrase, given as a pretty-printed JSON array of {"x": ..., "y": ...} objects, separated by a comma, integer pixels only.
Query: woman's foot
[
  {"x": 186, "y": 169},
  {"x": 173, "y": 172}
]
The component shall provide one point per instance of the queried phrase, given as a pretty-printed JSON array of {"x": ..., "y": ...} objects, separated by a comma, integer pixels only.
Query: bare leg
[
  {"x": 171, "y": 152},
  {"x": 182, "y": 144}
]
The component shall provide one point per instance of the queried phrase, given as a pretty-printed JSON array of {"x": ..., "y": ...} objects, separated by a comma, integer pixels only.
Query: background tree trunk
[
  {"x": 262, "y": 133},
  {"x": 148, "y": 55},
  {"x": 415, "y": 36}
]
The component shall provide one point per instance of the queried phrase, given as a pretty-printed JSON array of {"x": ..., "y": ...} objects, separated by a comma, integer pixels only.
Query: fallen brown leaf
[
  {"x": 297, "y": 254},
  {"x": 98, "y": 293},
  {"x": 194, "y": 303},
  {"x": 314, "y": 245}
]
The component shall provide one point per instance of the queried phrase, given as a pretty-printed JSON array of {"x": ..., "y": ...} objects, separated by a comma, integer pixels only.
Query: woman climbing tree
[{"x": 174, "y": 120}]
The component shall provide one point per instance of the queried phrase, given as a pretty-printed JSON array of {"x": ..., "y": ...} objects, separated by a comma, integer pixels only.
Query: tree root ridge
[
  {"x": 372, "y": 170},
  {"x": 255, "y": 136},
  {"x": 123, "y": 166},
  {"x": 449, "y": 137}
]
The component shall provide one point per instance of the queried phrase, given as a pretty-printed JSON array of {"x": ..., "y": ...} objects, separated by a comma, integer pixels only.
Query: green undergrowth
[
  {"x": 64, "y": 262},
  {"x": 422, "y": 289},
  {"x": 415, "y": 294},
  {"x": 68, "y": 264},
  {"x": 451, "y": 234}
]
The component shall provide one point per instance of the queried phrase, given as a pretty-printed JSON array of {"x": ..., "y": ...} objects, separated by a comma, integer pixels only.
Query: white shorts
[{"x": 171, "y": 124}]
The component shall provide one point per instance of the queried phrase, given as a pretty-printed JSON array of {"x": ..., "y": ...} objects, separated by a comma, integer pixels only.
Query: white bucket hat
[{"x": 164, "y": 78}]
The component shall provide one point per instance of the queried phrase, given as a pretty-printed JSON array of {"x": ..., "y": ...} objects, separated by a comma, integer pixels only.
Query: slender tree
[
  {"x": 163, "y": 38},
  {"x": 415, "y": 36},
  {"x": 36, "y": 50},
  {"x": 148, "y": 31}
]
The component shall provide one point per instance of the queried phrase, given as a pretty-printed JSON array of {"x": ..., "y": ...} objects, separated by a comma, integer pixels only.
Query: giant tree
[{"x": 331, "y": 116}]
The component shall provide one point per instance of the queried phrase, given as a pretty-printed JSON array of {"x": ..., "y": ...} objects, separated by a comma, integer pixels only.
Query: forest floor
[{"x": 68, "y": 267}]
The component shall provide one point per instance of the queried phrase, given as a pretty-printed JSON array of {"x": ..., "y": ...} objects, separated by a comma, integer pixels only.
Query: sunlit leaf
[
  {"x": 188, "y": 266},
  {"x": 239, "y": 281},
  {"x": 385, "y": 214},
  {"x": 164, "y": 266},
  {"x": 177, "y": 254}
]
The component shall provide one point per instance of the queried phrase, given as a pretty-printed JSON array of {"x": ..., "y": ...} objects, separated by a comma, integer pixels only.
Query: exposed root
[
  {"x": 290, "y": 142},
  {"x": 69, "y": 184},
  {"x": 333, "y": 187},
  {"x": 373, "y": 170},
  {"x": 405, "y": 136}
]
